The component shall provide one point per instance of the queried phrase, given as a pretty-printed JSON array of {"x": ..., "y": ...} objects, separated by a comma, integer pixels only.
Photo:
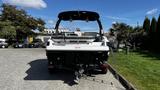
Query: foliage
[
  {"x": 121, "y": 31},
  {"x": 20, "y": 24},
  {"x": 7, "y": 30},
  {"x": 153, "y": 35},
  {"x": 41, "y": 24},
  {"x": 136, "y": 37},
  {"x": 158, "y": 34},
  {"x": 151, "y": 40},
  {"x": 158, "y": 24},
  {"x": 153, "y": 27},
  {"x": 146, "y": 24},
  {"x": 145, "y": 37}
]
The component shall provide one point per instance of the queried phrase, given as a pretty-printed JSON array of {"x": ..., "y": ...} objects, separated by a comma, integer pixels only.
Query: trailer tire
[
  {"x": 104, "y": 68},
  {"x": 104, "y": 71}
]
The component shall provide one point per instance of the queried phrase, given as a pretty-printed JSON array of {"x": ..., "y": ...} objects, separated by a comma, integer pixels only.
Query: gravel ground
[{"x": 26, "y": 69}]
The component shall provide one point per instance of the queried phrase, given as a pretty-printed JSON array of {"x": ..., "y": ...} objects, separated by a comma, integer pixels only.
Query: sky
[{"x": 131, "y": 12}]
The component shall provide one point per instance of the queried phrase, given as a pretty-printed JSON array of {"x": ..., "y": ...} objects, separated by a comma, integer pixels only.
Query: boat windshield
[{"x": 79, "y": 26}]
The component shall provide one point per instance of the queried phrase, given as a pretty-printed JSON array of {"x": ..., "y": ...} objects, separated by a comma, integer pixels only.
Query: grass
[{"x": 140, "y": 69}]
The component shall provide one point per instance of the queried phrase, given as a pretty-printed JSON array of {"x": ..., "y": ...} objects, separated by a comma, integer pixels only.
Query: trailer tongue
[{"x": 80, "y": 53}]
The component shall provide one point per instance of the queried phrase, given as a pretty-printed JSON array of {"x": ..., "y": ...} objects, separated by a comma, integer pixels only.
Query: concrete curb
[{"x": 121, "y": 79}]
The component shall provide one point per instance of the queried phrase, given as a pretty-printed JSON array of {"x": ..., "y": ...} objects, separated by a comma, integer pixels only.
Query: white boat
[{"x": 75, "y": 51}]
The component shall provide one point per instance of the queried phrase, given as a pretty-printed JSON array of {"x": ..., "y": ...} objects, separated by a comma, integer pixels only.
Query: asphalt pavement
[{"x": 26, "y": 69}]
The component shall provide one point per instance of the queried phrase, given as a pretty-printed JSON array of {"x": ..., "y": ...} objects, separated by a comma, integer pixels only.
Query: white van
[{"x": 3, "y": 43}]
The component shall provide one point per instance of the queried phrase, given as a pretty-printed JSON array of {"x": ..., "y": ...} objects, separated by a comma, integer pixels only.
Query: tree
[
  {"x": 146, "y": 24},
  {"x": 139, "y": 38},
  {"x": 153, "y": 35},
  {"x": 7, "y": 30},
  {"x": 158, "y": 25},
  {"x": 41, "y": 24},
  {"x": 23, "y": 23},
  {"x": 153, "y": 27},
  {"x": 121, "y": 31},
  {"x": 158, "y": 34}
]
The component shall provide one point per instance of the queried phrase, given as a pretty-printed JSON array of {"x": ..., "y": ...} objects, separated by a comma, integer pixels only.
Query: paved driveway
[{"x": 26, "y": 69}]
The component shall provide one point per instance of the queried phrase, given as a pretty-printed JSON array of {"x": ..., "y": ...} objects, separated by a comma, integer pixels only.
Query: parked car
[
  {"x": 18, "y": 45},
  {"x": 3, "y": 43},
  {"x": 37, "y": 43}
]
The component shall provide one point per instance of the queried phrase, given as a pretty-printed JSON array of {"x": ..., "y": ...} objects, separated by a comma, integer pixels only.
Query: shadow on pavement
[{"x": 39, "y": 71}]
